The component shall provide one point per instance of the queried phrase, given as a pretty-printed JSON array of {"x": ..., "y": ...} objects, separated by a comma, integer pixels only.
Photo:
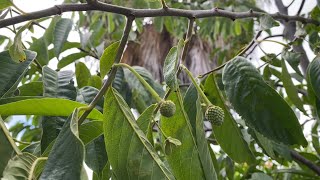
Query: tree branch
[
  {"x": 298, "y": 158},
  {"x": 301, "y": 7},
  {"x": 113, "y": 72},
  {"x": 140, "y": 13}
]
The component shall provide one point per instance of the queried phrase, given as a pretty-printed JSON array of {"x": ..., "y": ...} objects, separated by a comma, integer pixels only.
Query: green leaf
[
  {"x": 90, "y": 131},
  {"x": 49, "y": 33},
  {"x": 16, "y": 50},
  {"x": 70, "y": 59},
  {"x": 6, "y": 150},
  {"x": 129, "y": 160},
  {"x": 82, "y": 74},
  {"x": 12, "y": 73},
  {"x": 262, "y": 108},
  {"x": 178, "y": 127},
  {"x": 267, "y": 22},
  {"x": 145, "y": 122},
  {"x": 58, "y": 84},
  {"x": 313, "y": 76},
  {"x": 66, "y": 157},
  {"x": 31, "y": 89},
  {"x": 107, "y": 58},
  {"x": 45, "y": 107},
  {"x": 19, "y": 167},
  {"x": 293, "y": 58},
  {"x": 170, "y": 65},
  {"x": 61, "y": 33},
  {"x": 5, "y": 4},
  {"x": 86, "y": 96},
  {"x": 291, "y": 90},
  {"x": 39, "y": 46},
  {"x": 228, "y": 134},
  {"x": 192, "y": 106},
  {"x": 95, "y": 81},
  {"x": 96, "y": 156}
]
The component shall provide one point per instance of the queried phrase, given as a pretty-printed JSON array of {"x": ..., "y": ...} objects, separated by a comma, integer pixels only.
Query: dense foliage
[{"x": 154, "y": 91}]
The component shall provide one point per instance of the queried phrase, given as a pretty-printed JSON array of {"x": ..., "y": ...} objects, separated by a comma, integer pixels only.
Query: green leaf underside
[
  {"x": 291, "y": 90},
  {"x": 192, "y": 105},
  {"x": 137, "y": 159},
  {"x": 66, "y": 157},
  {"x": 11, "y": 72},
  {"x": 19, "y": 166},
  {"x": 107, "y": 58},
  {"x": 184, "y": 159},
  {"x": 262, "y": 107},
  {"x": 228, "y": 134},
  {"x": 45, "y": 107},
  {"x": 170, "y": 66}
]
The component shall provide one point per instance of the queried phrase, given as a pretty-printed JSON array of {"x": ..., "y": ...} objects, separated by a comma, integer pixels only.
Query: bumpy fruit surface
[
  {"x": 167, "y": 108},
  {"x": 215, "y": 115}
]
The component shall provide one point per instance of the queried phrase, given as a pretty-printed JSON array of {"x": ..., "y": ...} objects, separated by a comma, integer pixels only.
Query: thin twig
[
  {"x": 301, "y": 7},
  {"x": 298, "y": 158},
  {"x": 113, "y": 72},
  {"x": 141, "y": 13}
]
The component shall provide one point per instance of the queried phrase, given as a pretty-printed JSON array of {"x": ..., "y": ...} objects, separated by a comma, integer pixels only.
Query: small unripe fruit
[
  {"x": 167, "y": 108},
  {"x": 215, "y": 115}
]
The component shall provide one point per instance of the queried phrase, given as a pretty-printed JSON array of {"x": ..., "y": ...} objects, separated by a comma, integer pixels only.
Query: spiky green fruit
[
  {"x": 215, "y": 115},
  {"x": 167, "y": 108}
]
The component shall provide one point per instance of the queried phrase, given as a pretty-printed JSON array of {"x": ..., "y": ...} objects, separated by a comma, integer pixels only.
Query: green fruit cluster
[
  {"x": 167, "y": 108},
  {"x": 215, "y": 115}
]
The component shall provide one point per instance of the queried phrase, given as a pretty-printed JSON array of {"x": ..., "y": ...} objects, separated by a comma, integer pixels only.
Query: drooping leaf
[
  {"x": 293, "y": 58},
  {"x": 120, "y": 128},
  {"x": 16, "y": 50},
  {"x": 61, "y": 33},
  {"x": 6, "y": 149},
  {"x": 70, "y": 59},
  {"x": 31, "y": 89},
  {"x": 291, "y": 90},
  {"x": 82, "y": 74},
  {"x": 170, "y": 65},
  {"x": 5, "y": 3},
  {"x": 49, "y": 33},
  {"x": 66, "y": 157},
  {"x": 39, "y": 46},
  {"x": 313, "y": 76},
  {"x": 90, "y": 131},
  {"x": 56, "y": 85},
  {"x": 45, "y": 107},
  {"x": 96, "y": 155},
  {"x": 19, "y": 167},
  {"x": 262, "y": 107},
  {"x": 178, "y": 127},
  {"x": 192, "y": 106},
  {"x": 267, "y": 22},
  {"x": 107, "y": 58},
  {"x": 11, "y": 72},
  {"x": 228, "y": 134}
]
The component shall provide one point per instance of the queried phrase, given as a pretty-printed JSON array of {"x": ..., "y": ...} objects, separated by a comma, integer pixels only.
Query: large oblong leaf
[
  {"x": 6, "y": 149},
  {"x": 45, "y": 107},
  {"x": 61, "y": 32},
  {"x": 11, "y": 73},
  {"x": 66, "y": 157},
  {"x": 130, "y": 154},
  {"x": 228, "y": 134},
  {"x": 192, "y": 105},
  {"x": 185, "y": 160},
  {"x": 82, "y": 74},
  {"x": 262, "y": 107}
]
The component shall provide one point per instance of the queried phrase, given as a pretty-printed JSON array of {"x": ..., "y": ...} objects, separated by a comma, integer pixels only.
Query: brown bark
[{"x": 154, "y": 46}]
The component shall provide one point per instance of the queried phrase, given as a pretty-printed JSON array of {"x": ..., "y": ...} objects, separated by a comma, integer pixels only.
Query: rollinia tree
[{"x": 158, "y": 85}]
